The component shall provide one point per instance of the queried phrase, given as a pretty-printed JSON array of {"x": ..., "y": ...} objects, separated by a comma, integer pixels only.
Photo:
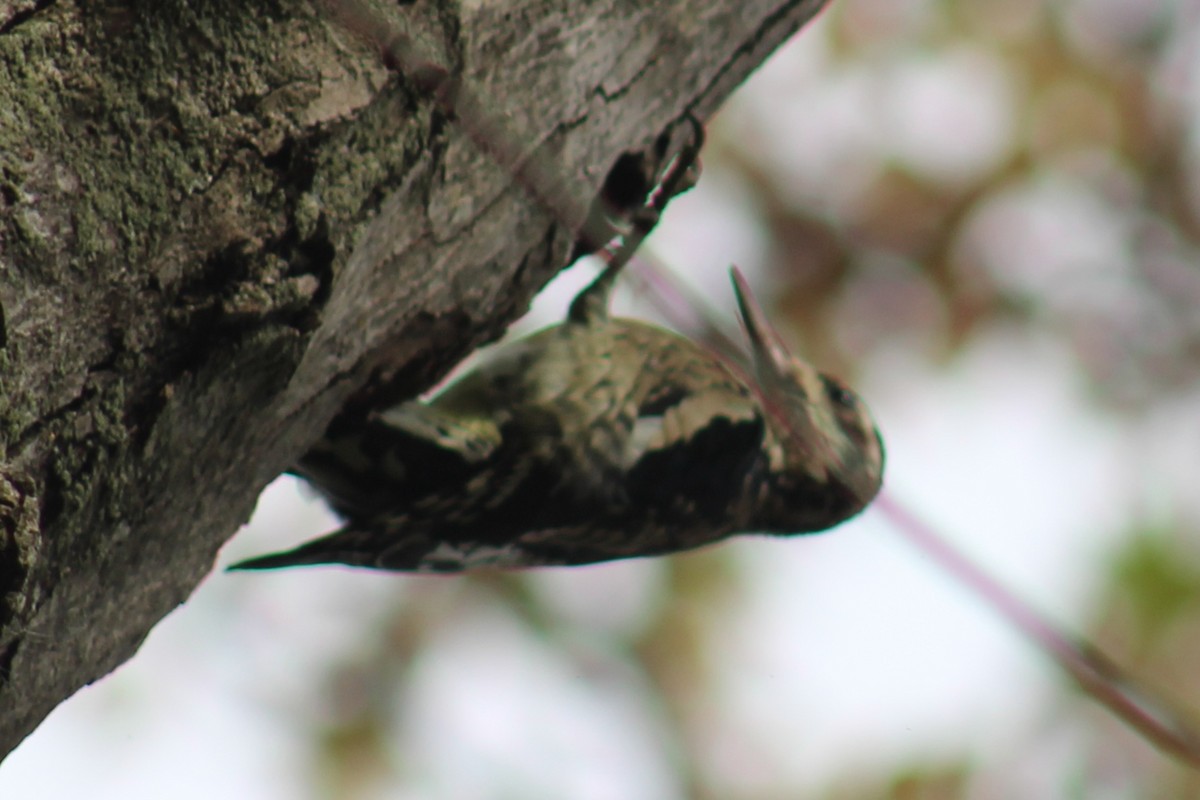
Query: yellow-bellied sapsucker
[{"x": 596, "y": 439}]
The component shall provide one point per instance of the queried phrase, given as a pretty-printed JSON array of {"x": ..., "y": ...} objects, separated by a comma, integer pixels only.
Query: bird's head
[{"x": 825, "y": 434}]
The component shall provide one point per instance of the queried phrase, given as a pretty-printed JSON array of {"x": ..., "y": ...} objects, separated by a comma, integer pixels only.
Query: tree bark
[{"x": 220, "y": 221}]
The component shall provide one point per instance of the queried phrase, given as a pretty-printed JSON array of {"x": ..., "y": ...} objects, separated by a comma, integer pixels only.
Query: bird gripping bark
[{"x": 598, "y": 438}]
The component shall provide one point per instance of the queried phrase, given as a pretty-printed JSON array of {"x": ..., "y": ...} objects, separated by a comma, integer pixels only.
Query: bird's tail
[{"x": 348, "y": 547}]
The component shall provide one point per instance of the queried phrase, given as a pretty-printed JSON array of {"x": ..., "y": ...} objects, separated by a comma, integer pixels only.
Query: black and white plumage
[{"x": 596, "y": 439}]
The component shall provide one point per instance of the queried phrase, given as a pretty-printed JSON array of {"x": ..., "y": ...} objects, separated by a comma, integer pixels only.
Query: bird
[{"x": 595, "y": 439}]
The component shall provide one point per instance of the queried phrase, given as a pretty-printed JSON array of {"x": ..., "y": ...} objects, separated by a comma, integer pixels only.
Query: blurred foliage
[
  {"x": 1075, "y": 209},
  {"x": 1150, "y": 613},
  {"x": 1159, "y": 585},
  {"x": 927, "y": 170}
]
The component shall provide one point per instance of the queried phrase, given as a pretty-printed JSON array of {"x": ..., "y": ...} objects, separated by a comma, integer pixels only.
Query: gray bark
[{"x": 221, "y": 220}]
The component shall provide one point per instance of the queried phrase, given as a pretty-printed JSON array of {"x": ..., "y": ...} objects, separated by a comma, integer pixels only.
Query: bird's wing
[
  {"x": 397, "y": 457},
  {"x": 597, "y": 444},
  {"x": 529, "y": 507}
]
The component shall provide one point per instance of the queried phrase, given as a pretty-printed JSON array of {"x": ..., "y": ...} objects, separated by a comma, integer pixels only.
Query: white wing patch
[
  {"x": 684, "y": 420},
  {"x": 473, "y": 438},
  {"x": 447, "y": 557}
]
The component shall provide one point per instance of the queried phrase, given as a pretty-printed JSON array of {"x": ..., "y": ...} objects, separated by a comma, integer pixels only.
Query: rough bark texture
[{"x": 221, "y": 220}]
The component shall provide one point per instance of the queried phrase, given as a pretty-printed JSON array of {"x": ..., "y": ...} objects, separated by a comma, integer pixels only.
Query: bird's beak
[
  {"x": 793, "y": 394},
  {"x": 788, "y": 387},
  {"x": 770, "y": 356}
]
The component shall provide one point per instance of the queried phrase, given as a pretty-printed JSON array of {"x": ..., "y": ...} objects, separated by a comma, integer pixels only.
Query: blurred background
[{"x": 986, "y": 216}]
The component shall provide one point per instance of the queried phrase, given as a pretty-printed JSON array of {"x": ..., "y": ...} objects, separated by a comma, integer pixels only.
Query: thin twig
[{"x": 1096, "y": 672}]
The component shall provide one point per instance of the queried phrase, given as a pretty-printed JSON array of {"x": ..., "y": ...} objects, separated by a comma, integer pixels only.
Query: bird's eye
[{"x": 837, "y": 393}]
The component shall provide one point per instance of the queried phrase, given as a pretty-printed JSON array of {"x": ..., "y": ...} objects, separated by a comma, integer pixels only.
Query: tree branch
[{"x": 219, "y": 222}]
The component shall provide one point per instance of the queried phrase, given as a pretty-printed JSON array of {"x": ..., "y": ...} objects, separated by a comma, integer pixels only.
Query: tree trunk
[{"x": 219, "y": 221}]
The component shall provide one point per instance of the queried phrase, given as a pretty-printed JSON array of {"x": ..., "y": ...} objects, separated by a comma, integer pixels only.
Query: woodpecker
[{"x": 596, "y": 439}]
